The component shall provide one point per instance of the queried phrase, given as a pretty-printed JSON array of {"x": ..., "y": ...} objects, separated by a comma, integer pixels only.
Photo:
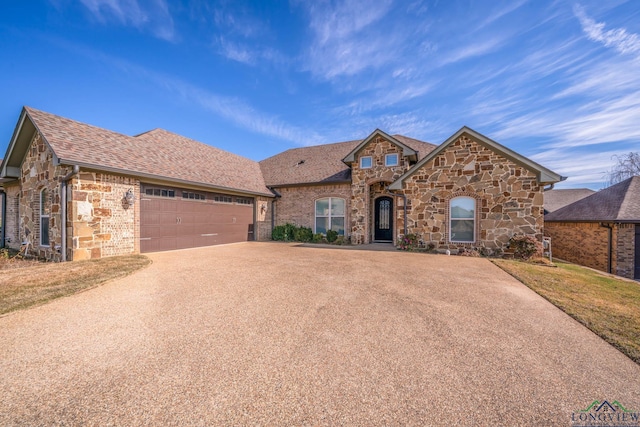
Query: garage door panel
[{"x": 177, "y": 223}]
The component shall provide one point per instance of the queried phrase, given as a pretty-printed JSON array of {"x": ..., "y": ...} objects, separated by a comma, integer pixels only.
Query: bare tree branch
[{"x": 627, "y": 165}]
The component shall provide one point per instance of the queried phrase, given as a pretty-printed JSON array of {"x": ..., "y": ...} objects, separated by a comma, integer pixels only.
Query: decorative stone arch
[{"x": 476, "y": 217}]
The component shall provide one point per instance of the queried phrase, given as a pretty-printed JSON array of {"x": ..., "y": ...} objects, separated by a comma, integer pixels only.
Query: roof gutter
[{"x": 63, "y": 210}]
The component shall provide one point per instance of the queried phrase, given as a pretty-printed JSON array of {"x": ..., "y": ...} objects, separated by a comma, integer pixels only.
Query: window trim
[
  {"x": 386, "y": 160},
  {"x": 43, "y": 233},
  {"x": 329, "y": 215},
  {"x": 370, "y": 162},
  {"x": 473, "y": 218}
]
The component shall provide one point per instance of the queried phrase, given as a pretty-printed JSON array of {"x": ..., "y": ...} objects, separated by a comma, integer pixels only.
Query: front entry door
[{"x": 383, "y": 228}]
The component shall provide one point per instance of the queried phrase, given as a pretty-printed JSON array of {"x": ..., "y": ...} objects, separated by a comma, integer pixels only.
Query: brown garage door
[{"x": 172, "y": 218}]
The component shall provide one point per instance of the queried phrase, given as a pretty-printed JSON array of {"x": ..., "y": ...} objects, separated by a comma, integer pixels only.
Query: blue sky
[{"x": 557, "y": 81}]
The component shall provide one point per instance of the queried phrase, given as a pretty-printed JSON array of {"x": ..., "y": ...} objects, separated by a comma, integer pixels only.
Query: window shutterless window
[
  {"x": 366, "y": 162},
  {"x": 462, "y": 223},
  {"x": 391, "y": 160},
  {"x": 330, "y": 215},
  {"x": 44, "y": 218}
]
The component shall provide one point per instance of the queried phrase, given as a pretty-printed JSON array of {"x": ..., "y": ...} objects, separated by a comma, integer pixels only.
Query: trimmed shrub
[
  {"x": 332, "y": 236},
  {"x": 284, "y": 233},
  {"x": 303, "y": 234},
  {"x": 524, "y": 247},
  {"x": 318, "y": 238}
]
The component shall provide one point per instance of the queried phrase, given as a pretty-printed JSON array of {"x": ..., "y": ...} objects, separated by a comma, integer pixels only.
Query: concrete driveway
[{"x": 273, "y": 334}]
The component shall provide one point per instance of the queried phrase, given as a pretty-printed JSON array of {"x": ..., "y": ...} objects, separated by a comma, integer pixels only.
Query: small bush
[
  {"x": 318, "y": 238},
  {"x": 303, "y": 234},
  {"x": 524, "y": 247},
  {"x": 341, "y": 240},
  {"x": 408, "y": 242},
  {"x": 284, "y": 233},
  {"x": 332, "y": 235}
]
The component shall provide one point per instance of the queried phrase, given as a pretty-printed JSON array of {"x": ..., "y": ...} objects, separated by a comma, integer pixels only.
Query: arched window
[
  {"x": 462, "y": 219},
  {"x": 330, "y": 215},
  {"x": 44, "y": 218}
]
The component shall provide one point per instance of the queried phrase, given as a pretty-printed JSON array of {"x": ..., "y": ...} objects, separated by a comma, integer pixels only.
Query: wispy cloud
[
  {"x": 233, "y": 109},
  {"x": 345, "y": 40},
  {"x": 617, "y": 38},
  {"x": 151, "y": 15}
]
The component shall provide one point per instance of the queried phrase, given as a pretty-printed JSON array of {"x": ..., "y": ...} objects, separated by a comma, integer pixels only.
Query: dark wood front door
[
  {"x": 637, "y": 273},
  {"x": 383, "y": 228}
]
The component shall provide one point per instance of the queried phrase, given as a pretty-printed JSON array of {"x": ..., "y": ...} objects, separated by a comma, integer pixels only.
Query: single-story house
[
  {"x": 601, "y": 231},
  {"x": 75, "y": 191},
  {"x": 555, "y": 199}
]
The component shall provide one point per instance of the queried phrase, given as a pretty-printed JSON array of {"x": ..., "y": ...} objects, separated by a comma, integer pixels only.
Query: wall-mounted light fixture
[{"x": 130, "y": 197}]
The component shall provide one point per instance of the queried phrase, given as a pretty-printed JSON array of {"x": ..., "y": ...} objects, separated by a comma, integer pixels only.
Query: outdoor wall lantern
[{"x": 129, "y": 197}]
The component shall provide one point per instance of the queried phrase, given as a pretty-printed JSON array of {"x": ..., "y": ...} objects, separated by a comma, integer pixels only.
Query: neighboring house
[
  {"x": 601, "y": 231},
  {"x": 117, "y": 194},
  {"x": 556, "y": 199}
]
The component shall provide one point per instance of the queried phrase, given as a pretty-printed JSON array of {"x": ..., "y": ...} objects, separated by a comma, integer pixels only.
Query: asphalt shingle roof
[
  {"x": 620, "y": 202},
  {"x": 157, "y": 153},
  {"x": 321, "y": 163},
  {"x": 556, "y": 199}
]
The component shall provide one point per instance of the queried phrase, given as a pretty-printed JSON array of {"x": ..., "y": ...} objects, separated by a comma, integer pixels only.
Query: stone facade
[
  {"x": 102, "y": 222},
  {"x": 40, "y": 198},
  {"x": 587, "y": 243},
  {"x": 297, "y": 204},
  {"x": 370, "y": 183},
  {"x": 508, "y": 197}
]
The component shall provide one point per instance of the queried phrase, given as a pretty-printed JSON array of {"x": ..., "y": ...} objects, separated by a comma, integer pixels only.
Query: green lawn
[{"x": 608, "y": 306}]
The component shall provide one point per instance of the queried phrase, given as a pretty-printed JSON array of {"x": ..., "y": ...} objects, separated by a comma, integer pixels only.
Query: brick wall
[
  {"x": 625, "y": 250},
  {"x": 508, "y": 198},
  {"x": 297, "y": 204},
  {"x": 102, "y": 223},
  {"x": 12, "y": 230},
  {"x": 582, "y": 243},
  {"x": 588, "y": 244}
]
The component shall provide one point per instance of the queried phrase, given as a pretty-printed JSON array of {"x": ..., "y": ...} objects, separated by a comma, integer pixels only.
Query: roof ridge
[{"x": 37, "y": 111}]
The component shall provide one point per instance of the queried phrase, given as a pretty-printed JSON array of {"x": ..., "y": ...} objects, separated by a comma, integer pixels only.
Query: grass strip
[
  {"x": 32, "y": 283},
  {"x": 608, "y": 306}
]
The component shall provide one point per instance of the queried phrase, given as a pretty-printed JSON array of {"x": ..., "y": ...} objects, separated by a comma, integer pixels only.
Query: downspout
[
  {"x": 610, "y": 245},
  {"x": 273, "y": 207},
  {"x": 404, "y": 197},
  {"x": 550, "y": 187},
  {"x": 63, "y": 210},
  {"x": 3, "y": 221}
]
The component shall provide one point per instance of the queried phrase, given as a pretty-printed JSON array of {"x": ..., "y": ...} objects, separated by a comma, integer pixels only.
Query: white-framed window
[
  {"x": 366, "y": 162},
  {"x": 462, "y": 219},
  {"x": 44, "y": 218},
  {"x": 391, "y": 159},
  {"x": 330, "y": 215}
]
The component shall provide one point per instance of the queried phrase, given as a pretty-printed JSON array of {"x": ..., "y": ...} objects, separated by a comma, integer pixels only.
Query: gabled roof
[
  {"x": 322, "y": 164},
  {"x": 556, "y": 199},
  {"x": 157, "y": 154},
  {"x": 545, "y": 176},
  {"x": 618, "y": 203},
  {"x": 407, "y": 151}
]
